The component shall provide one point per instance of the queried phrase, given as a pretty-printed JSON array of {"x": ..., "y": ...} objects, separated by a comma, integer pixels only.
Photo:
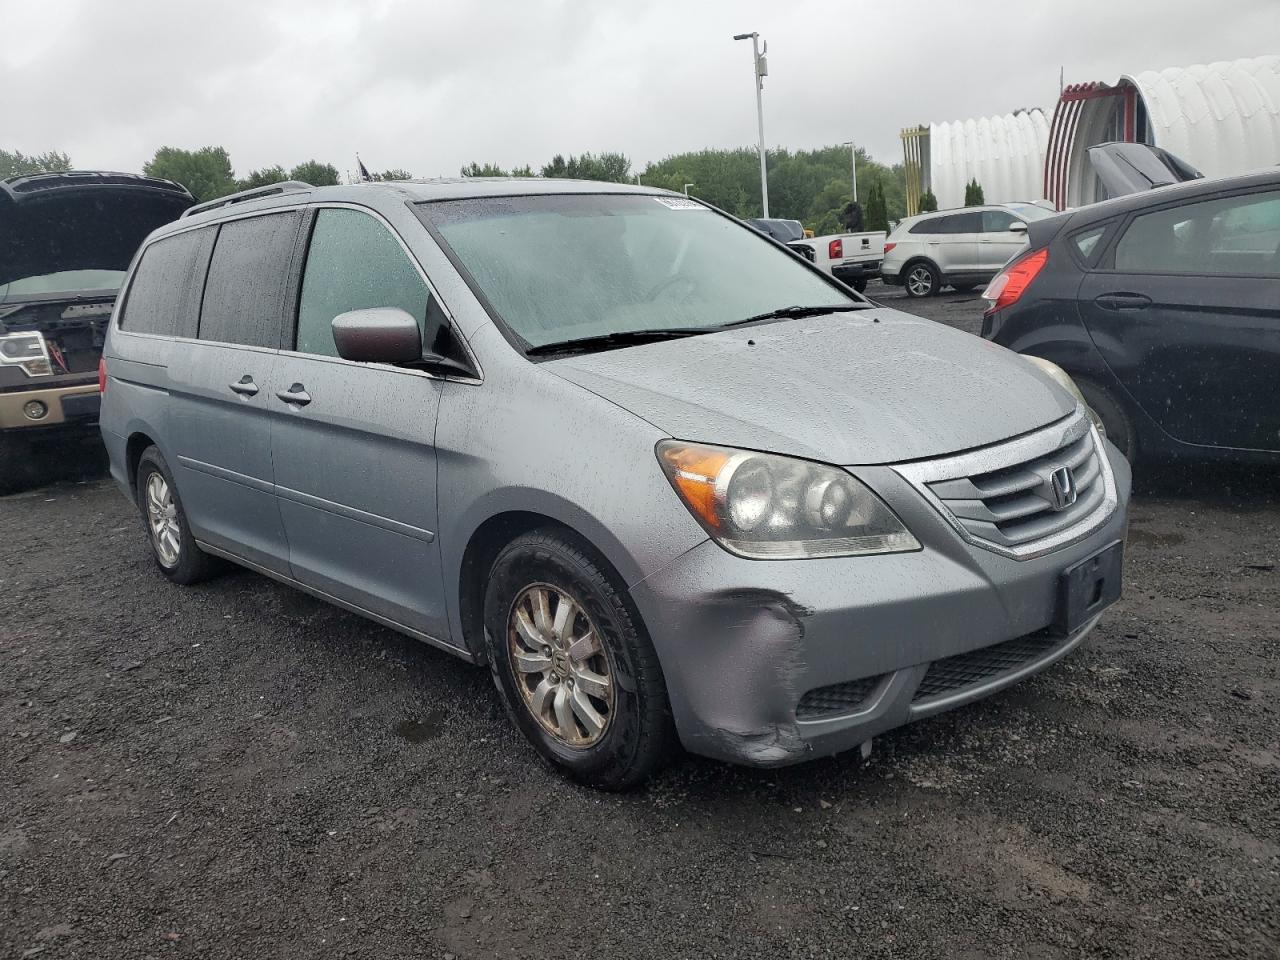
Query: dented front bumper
[{"x": 743, "y": 641}]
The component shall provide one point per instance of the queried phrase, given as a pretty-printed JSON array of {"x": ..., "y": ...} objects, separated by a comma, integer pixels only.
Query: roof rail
[{"x": 256, "y": 193}]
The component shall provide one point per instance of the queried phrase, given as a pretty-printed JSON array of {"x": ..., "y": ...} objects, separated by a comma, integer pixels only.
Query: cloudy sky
[{"x": 429, "y": 85}]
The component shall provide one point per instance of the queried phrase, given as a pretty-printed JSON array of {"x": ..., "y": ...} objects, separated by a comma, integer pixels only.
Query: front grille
[
  {"x": 839, "y": 698},
  {"x": 976, "y": 666},
  {"x": 1004, "y": 496}
]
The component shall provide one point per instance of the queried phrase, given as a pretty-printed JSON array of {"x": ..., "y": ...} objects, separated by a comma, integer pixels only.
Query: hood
[
  {"x": 842, "y": 388},
  {"x": 80, "y": 220},
  {"x": 1126, "y": 168}
]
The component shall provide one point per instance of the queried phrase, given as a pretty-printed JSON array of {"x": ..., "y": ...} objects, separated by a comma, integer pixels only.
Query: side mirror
[
  {"x": 1017, "y": 227},
  {"x": 377, "y": 335}
]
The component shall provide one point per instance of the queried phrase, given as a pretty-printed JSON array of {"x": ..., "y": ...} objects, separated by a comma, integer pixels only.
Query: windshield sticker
[{"x": 680, "y": 203}]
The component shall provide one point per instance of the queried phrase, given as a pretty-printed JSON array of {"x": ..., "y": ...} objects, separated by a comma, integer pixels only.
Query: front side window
[
  {"x": 355, "y": 263},
  {"x": 562, "y": 267},
  {"x": 1237, "y": 235},
  {"x": 997, "y": 221}
]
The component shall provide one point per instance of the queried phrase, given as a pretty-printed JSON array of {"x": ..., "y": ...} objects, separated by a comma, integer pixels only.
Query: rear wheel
[
  {"x": 921, "y": 279},
  {"x": 172, "y": 546},
  {"x": 1114, "y": 416},
  {"x": 579, "y": 677},
  {"x": 860, "y": 285}
]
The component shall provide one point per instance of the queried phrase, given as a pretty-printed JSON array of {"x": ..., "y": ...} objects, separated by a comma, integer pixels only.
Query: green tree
[
  {"x": 315, "y": 173},
  {"x": 395, "y": 173},
  {"x": 262, "y": 178},
  {"x": 973, "y": 194},
  {"x": 877, "y": 217},
  {"x": 474, "y": 169},
  {"x": 18, "y": 164},
  {"x": 610, "y": 167},
  {"x": 205, "y": 172},
  {"x": 928, "y": 202}
]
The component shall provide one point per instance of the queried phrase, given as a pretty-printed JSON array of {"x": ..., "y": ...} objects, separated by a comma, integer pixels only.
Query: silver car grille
[{"x": 1025, "y": 497}]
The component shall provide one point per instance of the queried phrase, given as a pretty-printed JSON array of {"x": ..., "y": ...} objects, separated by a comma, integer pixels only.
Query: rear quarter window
[
  {"x": 164, "y": 295},
  {"x": 244, "y": 295}
]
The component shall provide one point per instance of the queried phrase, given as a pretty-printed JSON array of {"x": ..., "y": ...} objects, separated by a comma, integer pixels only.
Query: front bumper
[
  {"x": 70, "y": 407},
  {"x": 742, "y": 642}
]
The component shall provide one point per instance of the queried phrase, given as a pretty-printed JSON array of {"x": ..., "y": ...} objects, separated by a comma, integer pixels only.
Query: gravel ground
[{"x": 239, "y": 771}]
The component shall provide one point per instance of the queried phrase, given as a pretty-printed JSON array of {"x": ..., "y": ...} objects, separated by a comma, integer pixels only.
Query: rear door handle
[
  {"x": 1123, "y": 301},
  {"x": 296, "y": 395},
  {"x": 245, "y": 386}
]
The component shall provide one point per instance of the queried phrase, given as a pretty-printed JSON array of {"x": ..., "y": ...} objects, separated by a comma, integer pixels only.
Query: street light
[
  {"x": 853, "y": 158},
  {"x": 687, "y": 186},
  {"x": 760, "y": 68}
]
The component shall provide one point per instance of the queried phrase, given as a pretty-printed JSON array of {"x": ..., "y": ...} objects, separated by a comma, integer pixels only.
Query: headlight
[
  {"x": 1064, "y": 380},
  {"x": 767, "y": 507},
  {"x": 26, "y": 350}
]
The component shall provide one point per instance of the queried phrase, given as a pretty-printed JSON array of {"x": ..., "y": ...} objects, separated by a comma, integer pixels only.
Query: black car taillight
[{"x": 1012, "y": 282}]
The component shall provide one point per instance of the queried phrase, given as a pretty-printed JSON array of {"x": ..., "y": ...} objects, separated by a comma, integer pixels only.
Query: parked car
[
  {"x": 852, "y": 258},
  {"x": 962, "y": 249},
  {"x": 789, "y": 233},
  {"x": 1165, "y": 308},
  {"x": 664, "y": 479},
  {"x": 65, "y": 242}
]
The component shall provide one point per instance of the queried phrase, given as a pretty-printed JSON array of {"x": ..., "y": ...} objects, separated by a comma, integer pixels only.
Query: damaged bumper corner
[{"x": 749, "y": 646}]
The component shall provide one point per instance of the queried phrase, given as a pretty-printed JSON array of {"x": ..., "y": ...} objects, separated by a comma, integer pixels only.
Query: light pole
[
  {"x": 687, "y": 186},
  {"x": 853, "y": 159},
  {"x": 760, "y": 69}
]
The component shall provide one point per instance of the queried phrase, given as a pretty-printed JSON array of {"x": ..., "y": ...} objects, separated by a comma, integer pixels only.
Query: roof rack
[{"x": 256, "y": 193}]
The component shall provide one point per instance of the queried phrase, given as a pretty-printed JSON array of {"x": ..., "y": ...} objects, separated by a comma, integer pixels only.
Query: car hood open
[
  {"x": 80, "y": 220},
  {"x": 876, "y": 386}
]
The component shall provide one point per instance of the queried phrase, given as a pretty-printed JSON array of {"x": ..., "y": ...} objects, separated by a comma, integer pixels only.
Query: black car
[
  {"x": 1164, "y": 306},
  {"x": 787, "y": 232}
]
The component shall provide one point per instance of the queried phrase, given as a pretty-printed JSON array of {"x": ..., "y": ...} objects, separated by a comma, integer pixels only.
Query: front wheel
[
  {"x": 575, "y": 669},
  {"x": 922, "y": 280}
]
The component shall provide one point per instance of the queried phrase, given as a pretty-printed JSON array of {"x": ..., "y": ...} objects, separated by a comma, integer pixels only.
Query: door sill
[{"x": 355, "y": 608}]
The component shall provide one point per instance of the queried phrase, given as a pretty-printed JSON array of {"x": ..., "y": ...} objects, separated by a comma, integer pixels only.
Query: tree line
[{"x": 812, "y": 186}]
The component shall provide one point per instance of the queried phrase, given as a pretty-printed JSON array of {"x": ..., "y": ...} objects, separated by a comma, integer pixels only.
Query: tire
[
  {"x": 921, "y": 279},
  {"x": 175, "y": 551},
  {"x": 1115, "y": 418},
  {"x": 860, "y": 285},
  {"x": 18, "y": 469},
  {"x": 634, "y": 734}
]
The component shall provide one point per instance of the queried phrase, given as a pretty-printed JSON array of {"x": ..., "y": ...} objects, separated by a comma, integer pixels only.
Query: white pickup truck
[{"x": 852, "y": 258}]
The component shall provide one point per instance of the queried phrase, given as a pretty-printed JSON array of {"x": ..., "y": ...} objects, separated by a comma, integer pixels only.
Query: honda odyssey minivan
[{"x": 670, "y": 483}]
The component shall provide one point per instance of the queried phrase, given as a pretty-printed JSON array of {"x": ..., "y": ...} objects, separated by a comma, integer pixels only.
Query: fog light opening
[{"x": 35, "y": 410}]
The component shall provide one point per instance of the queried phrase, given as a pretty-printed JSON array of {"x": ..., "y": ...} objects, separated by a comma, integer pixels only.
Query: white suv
[{"x": 957, "y": 248}]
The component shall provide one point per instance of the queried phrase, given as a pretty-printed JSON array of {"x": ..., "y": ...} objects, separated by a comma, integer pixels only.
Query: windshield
[
  {"x": 1031, "y": 211},
  {"x": 68, "y": 282},
  {"x": 567, "y": 267}
]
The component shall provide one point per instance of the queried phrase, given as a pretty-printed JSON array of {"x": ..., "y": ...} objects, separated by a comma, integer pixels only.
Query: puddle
[{"x": 420, "y": 731}]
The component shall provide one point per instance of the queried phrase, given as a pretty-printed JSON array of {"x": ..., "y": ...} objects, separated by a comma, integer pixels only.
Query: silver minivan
[{"x": 671, "y": 484}]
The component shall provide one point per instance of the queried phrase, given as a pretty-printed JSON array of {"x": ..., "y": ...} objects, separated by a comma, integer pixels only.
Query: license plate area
[{"x": 1088, "y": 587}]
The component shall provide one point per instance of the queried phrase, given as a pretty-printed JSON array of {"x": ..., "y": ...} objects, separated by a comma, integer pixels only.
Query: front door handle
[
  {"x": 245, "y": 386},
  {"x": 296, "y": 395},
  {"x": 1123, "y": 301}
]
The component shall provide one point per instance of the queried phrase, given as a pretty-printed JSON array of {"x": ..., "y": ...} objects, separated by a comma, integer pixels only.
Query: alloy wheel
[
  {"x": 920, "y": 281},
  {"x": 162, "y": 520},
  {"x": 560, "y": 666}
]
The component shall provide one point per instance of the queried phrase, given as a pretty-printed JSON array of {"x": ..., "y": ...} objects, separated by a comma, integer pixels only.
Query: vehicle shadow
[
  {"x": 1230, "y": 485},
  {"x": 66, "y": 461}
]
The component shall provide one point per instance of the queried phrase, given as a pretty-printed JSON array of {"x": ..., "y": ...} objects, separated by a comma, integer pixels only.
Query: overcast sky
[{"x": 429, "y": 85}]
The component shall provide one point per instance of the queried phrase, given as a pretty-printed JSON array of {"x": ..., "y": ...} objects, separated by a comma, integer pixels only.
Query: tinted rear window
[
  {"x": 244, "y": 296},
  {"x": 164, "y": 296}
]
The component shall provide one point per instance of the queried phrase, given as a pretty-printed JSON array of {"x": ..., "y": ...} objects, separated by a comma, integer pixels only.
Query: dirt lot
[{"x": 239, "y": 771}]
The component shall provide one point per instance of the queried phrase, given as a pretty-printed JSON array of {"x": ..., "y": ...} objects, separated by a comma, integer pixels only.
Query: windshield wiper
[
  {"x": 795, "y": 313},
  {"x": 619, "y": 338}
]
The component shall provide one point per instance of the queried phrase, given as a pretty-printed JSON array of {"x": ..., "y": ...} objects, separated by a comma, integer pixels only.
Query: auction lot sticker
[{"x": 680, "y": 203}]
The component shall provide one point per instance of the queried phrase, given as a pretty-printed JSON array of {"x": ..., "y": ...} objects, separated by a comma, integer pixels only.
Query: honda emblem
[{"x": 1062, "y": 485}]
